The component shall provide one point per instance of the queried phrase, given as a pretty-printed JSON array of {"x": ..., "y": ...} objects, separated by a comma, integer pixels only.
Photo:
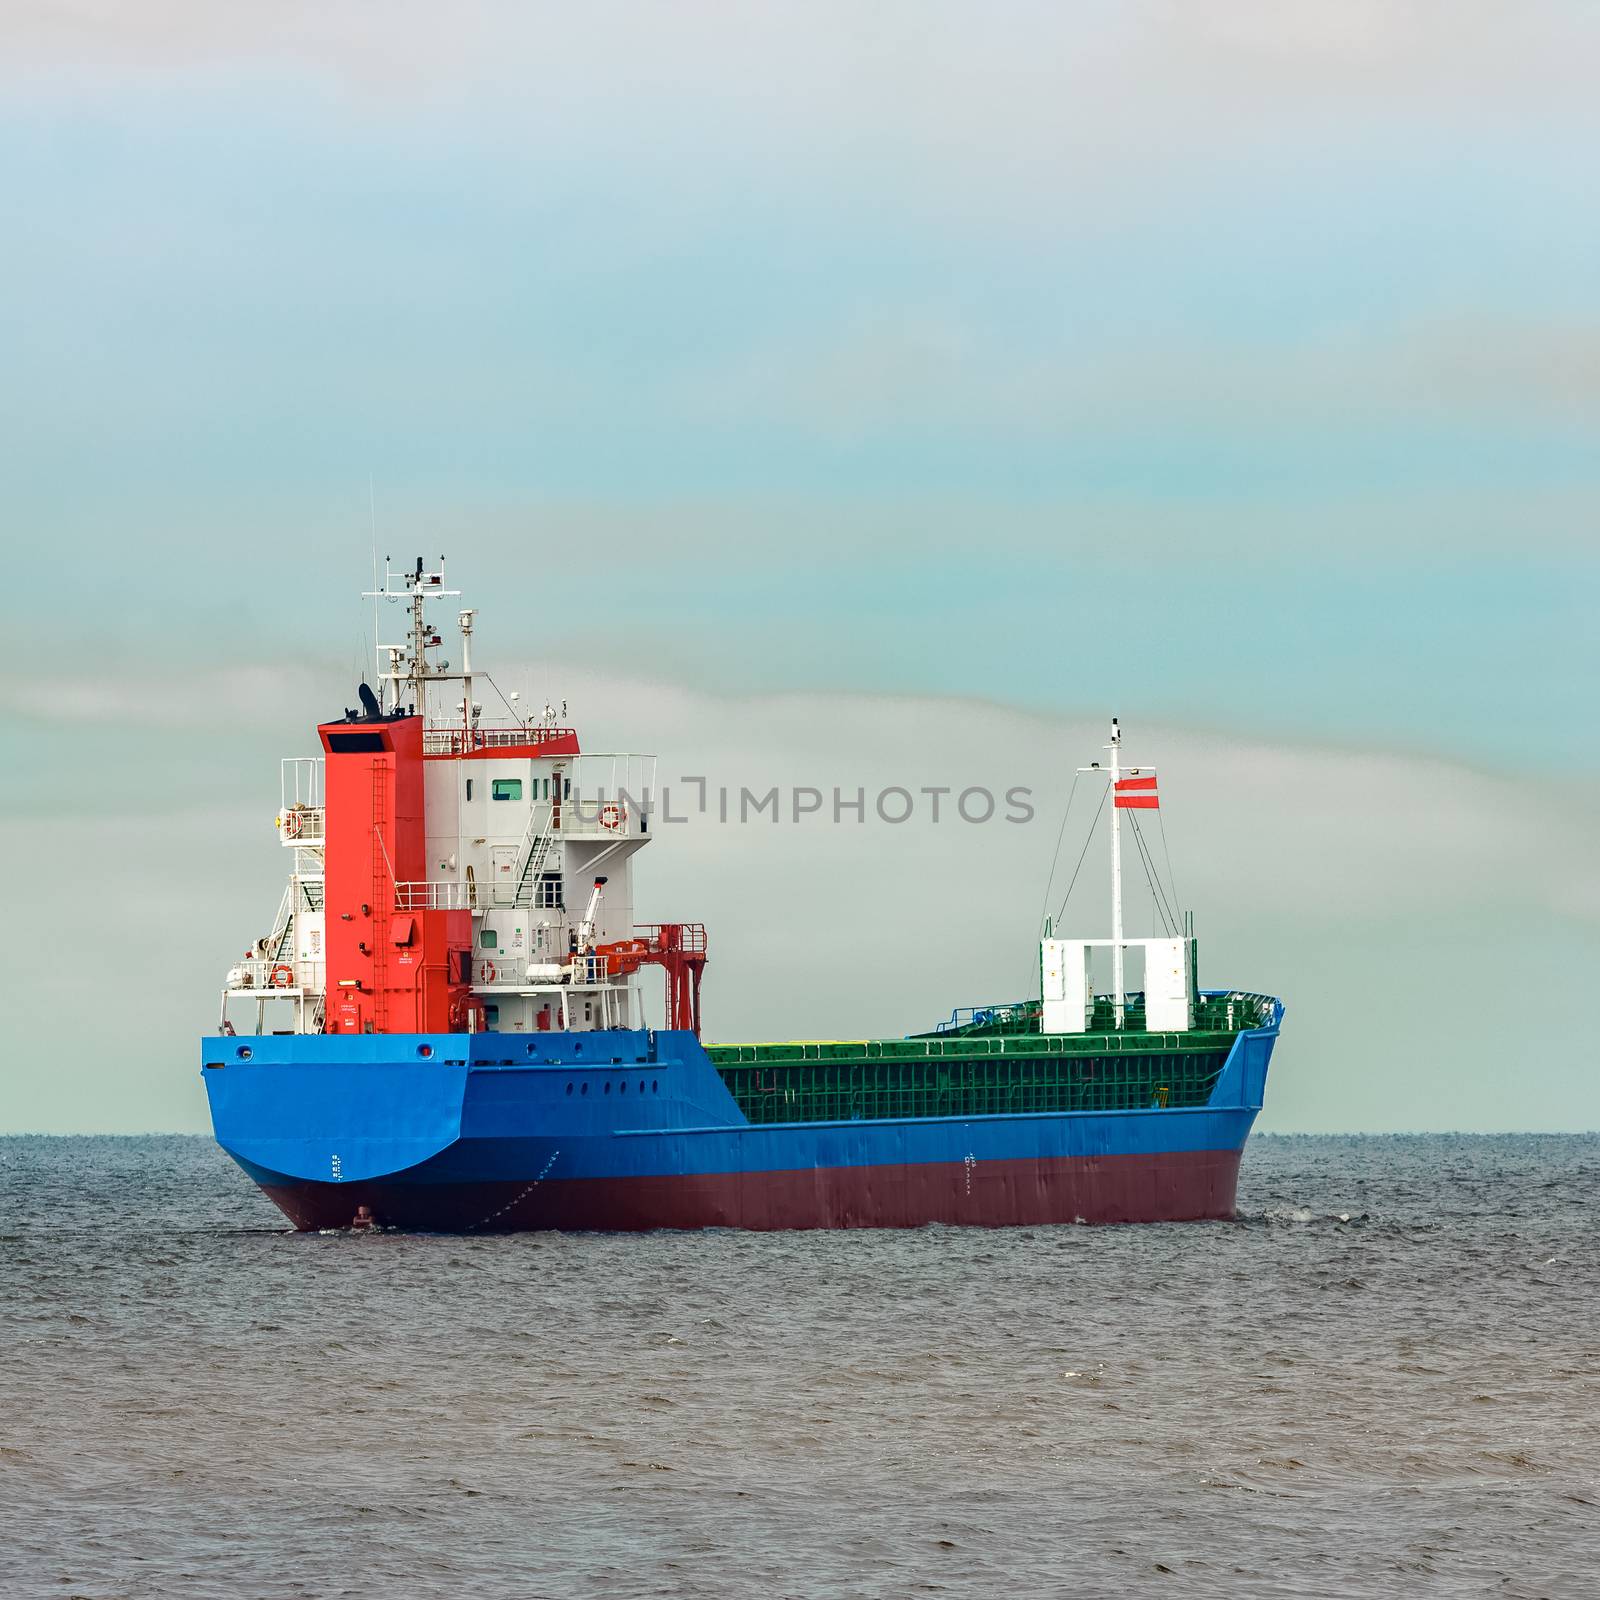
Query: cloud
[
  {"x": 1414, "y": 913},
  {"x": 894, "y": 347},
  {"x": 939, "y": 374},
  {"x": 931, "y": 76},
  {"x": 156, "y": 700}
]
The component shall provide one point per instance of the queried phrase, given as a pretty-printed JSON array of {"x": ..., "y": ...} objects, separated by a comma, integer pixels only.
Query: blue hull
[{"x": 633, "y": 1130}]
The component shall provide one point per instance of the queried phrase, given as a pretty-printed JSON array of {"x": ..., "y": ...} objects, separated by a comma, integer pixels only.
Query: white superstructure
[{"x": 527, "y": 841}]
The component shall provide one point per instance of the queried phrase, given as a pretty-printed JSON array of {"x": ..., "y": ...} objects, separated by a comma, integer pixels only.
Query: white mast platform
[{"x": 1067, "y": 988}]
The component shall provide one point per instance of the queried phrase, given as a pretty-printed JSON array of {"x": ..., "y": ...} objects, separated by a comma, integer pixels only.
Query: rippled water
[{"x": 1383, "y": 1380}]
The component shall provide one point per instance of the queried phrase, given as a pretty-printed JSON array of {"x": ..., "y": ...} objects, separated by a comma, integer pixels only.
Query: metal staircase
[
  {"x": 281, "y": 945},
  {"x": 536, "y": 843},
  {"x": 282, "y": 937}
]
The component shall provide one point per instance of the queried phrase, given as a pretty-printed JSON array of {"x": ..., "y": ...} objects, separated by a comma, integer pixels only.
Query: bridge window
[
  {"x": 489, "y": 939},
  {"x": 506, "y": 789}
]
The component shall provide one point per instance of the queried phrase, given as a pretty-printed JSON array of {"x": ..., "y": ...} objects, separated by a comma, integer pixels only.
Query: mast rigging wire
[
  {"x": 511, "y": 710},
  {"x": 1086, "y": 843},
  {"x": 1061, "y": 833},
  {"x": 1157, "y": 892},
  {"x": 1161, "y": 822}
]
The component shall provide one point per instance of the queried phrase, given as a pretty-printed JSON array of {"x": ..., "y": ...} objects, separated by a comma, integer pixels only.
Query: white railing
[
  {"x": 493, "y": 970},
  {"x": 611, "y": 816},
  {"x": 443, "y": 894},
  {"x": 300, "y": 782},
  {"x": 608, "y": 794},
  {"x": 310, "y": 1008},
  {"x": 301, "y": 825},
  {"x": 259, "y": 974},
  {"x": 491, "y": 736}
]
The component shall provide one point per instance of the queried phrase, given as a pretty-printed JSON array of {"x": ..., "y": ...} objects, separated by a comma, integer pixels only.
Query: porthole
[
  {"x": 583, "y": 1089},
  {"x": 655, "y": 1087},
  {"x": 624, "y": 1087},
  {"x": 608, "y": 1086},
  {"x": 641, "y": 1086},
  {"x": 569, "y": 1088}
]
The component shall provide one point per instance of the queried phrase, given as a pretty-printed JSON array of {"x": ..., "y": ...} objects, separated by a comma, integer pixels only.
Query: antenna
[
  {"x": 372, "y": 513},
  {"x": 408, "y": 662},
  {"x": 1118, "y": 980}
]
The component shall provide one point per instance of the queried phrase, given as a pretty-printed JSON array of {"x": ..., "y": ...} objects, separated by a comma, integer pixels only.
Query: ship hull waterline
[
  {"x": 1173, "y": 1186},
  {"x": 482, "y": 1133}
]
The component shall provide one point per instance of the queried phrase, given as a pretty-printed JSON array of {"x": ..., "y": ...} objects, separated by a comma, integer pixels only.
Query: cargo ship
[{"x": 446, "y": 1028}]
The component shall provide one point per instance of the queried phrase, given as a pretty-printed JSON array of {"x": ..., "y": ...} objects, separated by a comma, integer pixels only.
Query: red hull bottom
[{"x": 1179, "y": 1186}]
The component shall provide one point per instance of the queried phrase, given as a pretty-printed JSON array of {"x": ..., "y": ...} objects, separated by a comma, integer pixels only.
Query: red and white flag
[{"x": 1137, "y": 794}]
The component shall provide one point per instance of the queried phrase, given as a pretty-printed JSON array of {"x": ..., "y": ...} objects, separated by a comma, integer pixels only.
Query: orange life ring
[
  {"x": 489, "y": 973},
  {"x": 281, "y": 977},
  {"x": 611, "y": 815}
]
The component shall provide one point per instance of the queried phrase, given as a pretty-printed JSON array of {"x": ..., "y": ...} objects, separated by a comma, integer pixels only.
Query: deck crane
[
  {"x": 586, "y": 927},
  {"x": 678, "y": 948}
]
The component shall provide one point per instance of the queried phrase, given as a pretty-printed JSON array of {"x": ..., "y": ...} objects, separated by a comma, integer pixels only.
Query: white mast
[
  {"x": 1120, "y": 997},
  {"x": 465, "y": 619},
  {"x": 377, "y": 649},
  {"x": 1066, "y": 992}
]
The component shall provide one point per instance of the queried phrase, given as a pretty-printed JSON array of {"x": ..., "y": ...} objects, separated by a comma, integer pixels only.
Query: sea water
[{"x": 1383, "y": 1379}]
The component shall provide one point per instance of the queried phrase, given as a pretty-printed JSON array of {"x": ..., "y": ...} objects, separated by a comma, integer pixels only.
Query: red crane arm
[{"x": 679, "y": 949}]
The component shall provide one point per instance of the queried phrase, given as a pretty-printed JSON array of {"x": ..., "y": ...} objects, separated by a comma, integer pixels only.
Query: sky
[{"x": 817, "y": 389}]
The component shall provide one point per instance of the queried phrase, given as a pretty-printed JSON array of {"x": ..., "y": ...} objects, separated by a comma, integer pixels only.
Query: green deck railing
[
  {"x": 1225, "y": 1013},
  {"x": 989, "y": 1068}
]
